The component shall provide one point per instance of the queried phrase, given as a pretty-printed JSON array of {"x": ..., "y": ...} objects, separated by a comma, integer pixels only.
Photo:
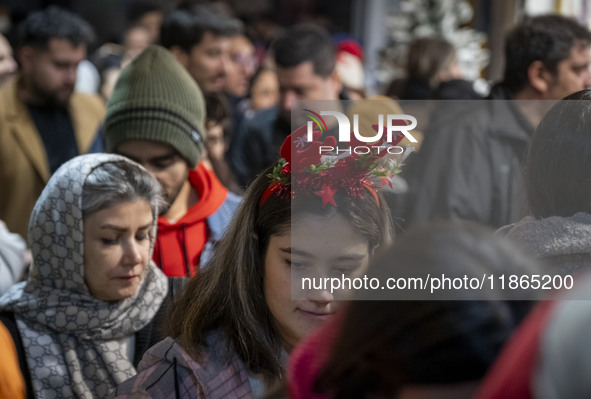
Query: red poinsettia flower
[
  {"x": 300, "y": 139},
  {"x": 310, "y": 155}
]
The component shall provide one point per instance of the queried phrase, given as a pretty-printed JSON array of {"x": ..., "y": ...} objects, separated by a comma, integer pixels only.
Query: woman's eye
[
  {"x": 295, "y": 265},
  {"x": 109, "y": 241},
  {"x": 142, "y": 237}
]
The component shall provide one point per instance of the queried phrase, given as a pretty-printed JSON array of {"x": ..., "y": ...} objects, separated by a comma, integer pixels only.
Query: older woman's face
[
  {"x": 314, "y": 247},
  {"x": 117, "y": 249}
]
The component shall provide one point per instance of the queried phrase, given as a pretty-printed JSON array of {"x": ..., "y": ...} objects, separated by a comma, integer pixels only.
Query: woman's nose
[
  {"x": 132, "y": 253},
  {"x": 319, "y": 297}
]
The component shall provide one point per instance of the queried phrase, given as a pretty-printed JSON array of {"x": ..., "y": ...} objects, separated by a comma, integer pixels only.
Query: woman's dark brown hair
[{"x": 227, "y": 296}]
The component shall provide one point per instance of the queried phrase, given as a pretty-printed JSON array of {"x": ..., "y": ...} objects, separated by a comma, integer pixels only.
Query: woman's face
[
  {"x": 314, "y": 247},
  {"x": 265, "y": 91},
  {"x": 117, "y": 249}
]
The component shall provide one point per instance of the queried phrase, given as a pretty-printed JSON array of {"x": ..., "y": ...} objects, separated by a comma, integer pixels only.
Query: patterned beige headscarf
[{"x": 71, "y": 338}]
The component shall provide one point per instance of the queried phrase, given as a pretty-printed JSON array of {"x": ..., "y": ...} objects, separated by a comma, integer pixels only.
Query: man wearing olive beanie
[{"x": 155, "y": 117}]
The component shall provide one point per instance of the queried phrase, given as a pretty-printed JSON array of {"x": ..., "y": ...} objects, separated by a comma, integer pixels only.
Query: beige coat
[{"x": 24, "y": 168}]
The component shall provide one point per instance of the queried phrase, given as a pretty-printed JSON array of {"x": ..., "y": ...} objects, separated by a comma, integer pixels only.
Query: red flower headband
[{"x": 312, "y": 172}]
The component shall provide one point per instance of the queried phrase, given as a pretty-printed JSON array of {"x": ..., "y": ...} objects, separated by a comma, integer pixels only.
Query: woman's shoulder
[
  {"x": 161, "y": 371},
  {"x": 167, "y": 370}
]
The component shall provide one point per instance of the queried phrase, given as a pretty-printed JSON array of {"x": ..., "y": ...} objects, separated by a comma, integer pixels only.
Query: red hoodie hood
[
  {"x": 212, "y": 195},
  {"x": 179, "y": 245}
]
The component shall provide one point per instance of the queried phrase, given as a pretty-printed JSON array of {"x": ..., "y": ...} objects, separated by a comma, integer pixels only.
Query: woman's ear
[{"x": 372, "y": 251}]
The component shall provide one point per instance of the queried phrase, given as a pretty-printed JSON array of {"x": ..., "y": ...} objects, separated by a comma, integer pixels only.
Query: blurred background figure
[
  {"x": 135, "y": 40},
  {"x": 305, "y": 59},
  {"x": 8, "y": 65},
  {"x": 142, "y": 28},
  {"x": 14, "y": 258},
  {"x": 350, "y": 68},
  {"x": 432, "y": 71},
  {"x": 199, "y": 36},
  {"x": 241, "y": 67},
  {"x": 218, "y": 122},
  {"x": 88, "y": 80},
  {"x": 218, "y": 125},
  {"x": 264, "y": 89},
  {"x": 43, "y": 121},
  {"x": 146, "y": 14},
  {"x": 471, "y": 160}
]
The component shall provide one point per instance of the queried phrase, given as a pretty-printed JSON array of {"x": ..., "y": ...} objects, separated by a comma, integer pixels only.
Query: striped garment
[{"x": 168, "y": 372}]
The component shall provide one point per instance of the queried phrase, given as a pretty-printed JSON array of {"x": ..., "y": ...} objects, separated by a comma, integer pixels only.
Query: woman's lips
[
  {"x": 127, "y": 277},
  {"x": 316, "y": 314}
]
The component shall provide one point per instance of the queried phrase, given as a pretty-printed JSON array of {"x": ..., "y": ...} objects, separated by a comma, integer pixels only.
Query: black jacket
[{"x": 470, "y": 164}]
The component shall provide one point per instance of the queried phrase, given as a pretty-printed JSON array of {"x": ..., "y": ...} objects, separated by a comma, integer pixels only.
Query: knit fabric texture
[{"x": 156, "y": 99}]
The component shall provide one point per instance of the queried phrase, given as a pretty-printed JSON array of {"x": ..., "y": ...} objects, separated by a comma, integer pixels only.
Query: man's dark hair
[
  {"x": 306, "y": 43},
  {"x": 186, "y": 25},
  {"x": 547, "y": 38},
  {"x": 53, "y": 23}
]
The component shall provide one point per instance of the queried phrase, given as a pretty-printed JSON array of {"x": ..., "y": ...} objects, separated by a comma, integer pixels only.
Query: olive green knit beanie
[{"x": 156, "y": 99}]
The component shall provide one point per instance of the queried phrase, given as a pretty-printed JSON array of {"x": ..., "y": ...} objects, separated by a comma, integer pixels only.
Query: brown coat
[{"x": 24, "y": 168}]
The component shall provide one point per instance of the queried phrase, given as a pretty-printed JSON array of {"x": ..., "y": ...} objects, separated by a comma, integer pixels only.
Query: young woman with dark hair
[{"x": 233, "y": 329}]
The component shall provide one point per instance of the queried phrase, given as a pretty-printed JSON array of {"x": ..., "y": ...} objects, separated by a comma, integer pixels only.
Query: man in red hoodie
[{"x": 155, "y": 117}]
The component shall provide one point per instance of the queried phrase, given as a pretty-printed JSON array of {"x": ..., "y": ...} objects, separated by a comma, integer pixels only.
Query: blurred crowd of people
[{"x": 154, "y": 217}]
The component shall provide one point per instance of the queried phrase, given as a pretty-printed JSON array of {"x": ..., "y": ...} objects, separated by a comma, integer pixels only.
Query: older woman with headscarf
[{"x": 87, "y": 312}]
